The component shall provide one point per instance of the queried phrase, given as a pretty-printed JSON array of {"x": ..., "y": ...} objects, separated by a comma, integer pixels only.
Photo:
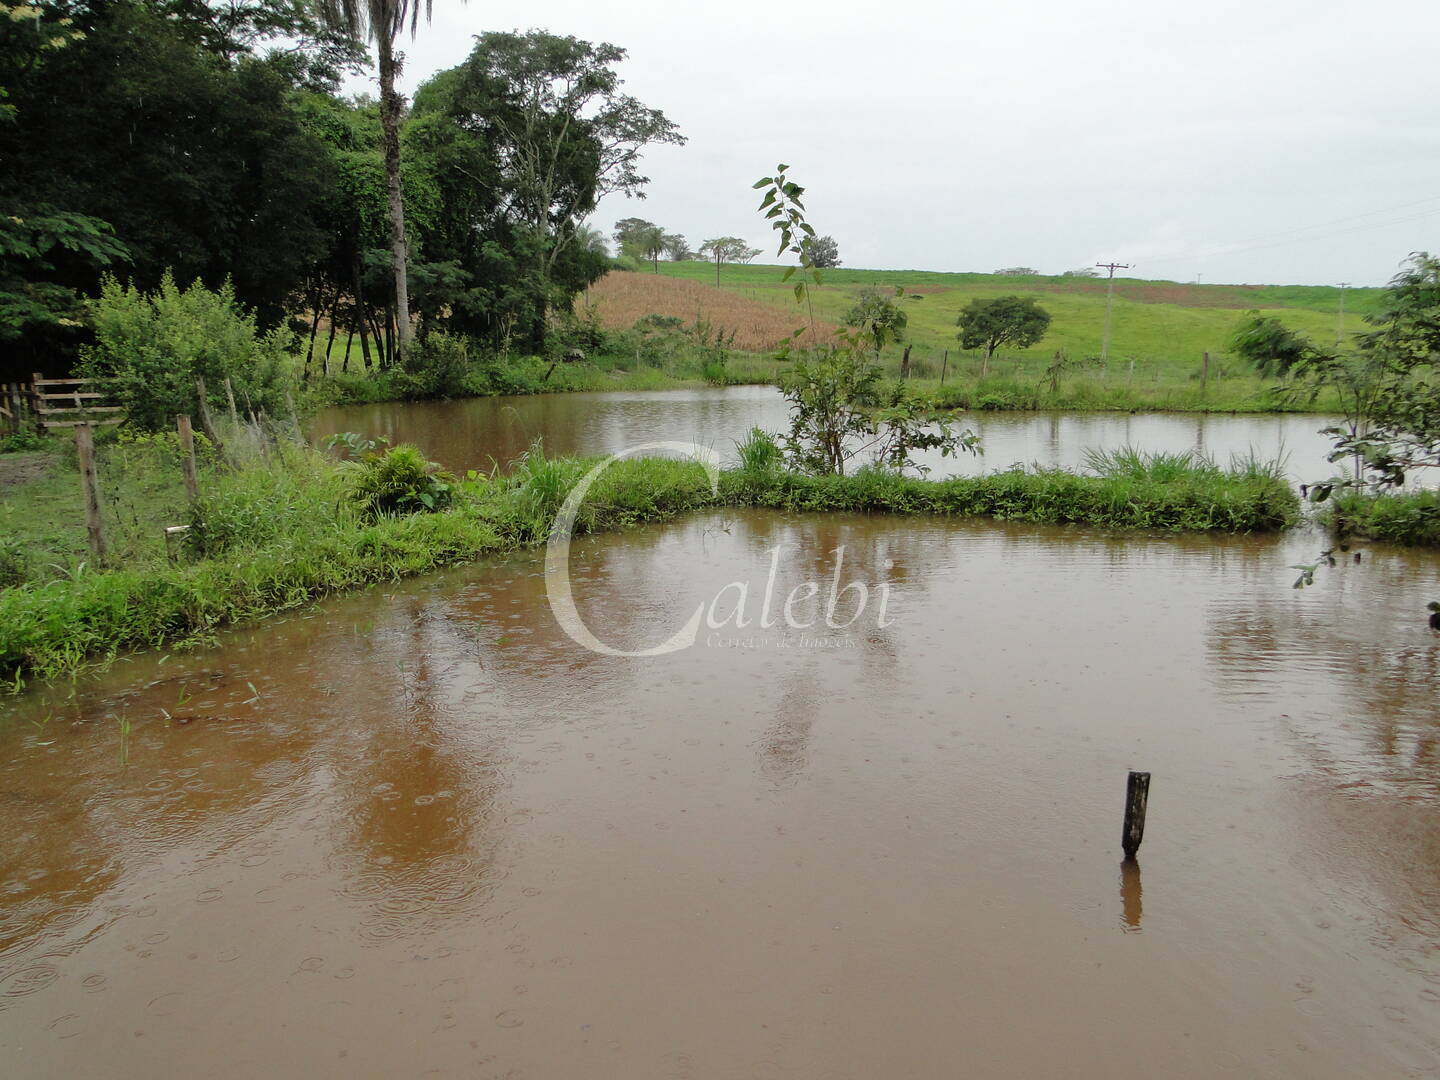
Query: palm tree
[{"x": 382, "y": 22}]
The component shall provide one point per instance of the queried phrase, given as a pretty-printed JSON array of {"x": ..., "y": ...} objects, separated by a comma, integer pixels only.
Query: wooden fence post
[
  {"x": 207, "y": 425},
  {"x": 1204, "y": 370},
  {"x": 85, "y": 449},
  {"x": 35, "y": 402},
  {"x": 1137, "y": 796},
  {"x": 230, "y": 396},
  {"x": 187, "y": 451},
  {"x": 944, "y": 366}
]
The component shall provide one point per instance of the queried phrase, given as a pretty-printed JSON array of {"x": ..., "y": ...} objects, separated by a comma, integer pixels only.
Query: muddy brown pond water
[
  {"x": 418, "y": 831},
  {"x": 478, "y": 433}
]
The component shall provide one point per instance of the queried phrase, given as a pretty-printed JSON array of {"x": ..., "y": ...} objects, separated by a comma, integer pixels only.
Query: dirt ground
[{"x": 17, "y": 469}]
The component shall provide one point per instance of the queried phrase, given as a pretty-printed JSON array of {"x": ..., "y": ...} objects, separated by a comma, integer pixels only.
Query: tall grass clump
[
  {"x": 1412, "y": 518},
  {"x": 759, "y": 452},
  {"x": 1128, "y": 463}
]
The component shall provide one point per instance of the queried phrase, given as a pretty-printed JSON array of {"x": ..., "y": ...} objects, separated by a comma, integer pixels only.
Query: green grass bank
[{"x": 279, "y": 533}]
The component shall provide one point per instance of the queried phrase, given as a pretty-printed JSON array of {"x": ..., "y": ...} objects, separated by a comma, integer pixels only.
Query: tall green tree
[
  {"x": 382, "y": 22},
  {"x": 551, "y": 111}
]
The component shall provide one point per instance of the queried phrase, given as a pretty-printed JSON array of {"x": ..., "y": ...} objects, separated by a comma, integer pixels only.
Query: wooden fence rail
[{"x": 67, "y": 403}]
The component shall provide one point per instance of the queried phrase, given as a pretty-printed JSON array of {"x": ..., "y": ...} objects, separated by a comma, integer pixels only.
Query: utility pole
[
  {"x": 1109, "y": 299},
  {"x": 1340, "y": 318}
]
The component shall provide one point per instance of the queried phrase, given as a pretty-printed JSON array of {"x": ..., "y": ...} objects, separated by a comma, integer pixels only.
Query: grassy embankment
[
  {"x": 278, "y": 533},
  {"x": 1159, "y": 333}
]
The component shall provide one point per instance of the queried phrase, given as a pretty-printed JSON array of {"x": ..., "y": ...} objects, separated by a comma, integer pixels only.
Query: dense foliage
[{"x": 209, "y": 140}]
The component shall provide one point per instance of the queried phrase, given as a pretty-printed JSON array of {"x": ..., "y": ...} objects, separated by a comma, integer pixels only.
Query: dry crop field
[{"x": 621, "y": 297}]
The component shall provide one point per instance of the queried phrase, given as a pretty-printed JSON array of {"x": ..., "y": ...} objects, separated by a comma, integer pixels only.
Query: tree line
[
  {"x": 643, "y": 241},
  {"x": 211, "y": 142}
]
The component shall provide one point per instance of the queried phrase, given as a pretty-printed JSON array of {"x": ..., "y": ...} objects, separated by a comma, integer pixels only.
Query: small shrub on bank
[
  {"x": 400, "y": 481},
  {"x": 150, "y": 348},
  {"x": 434, "y": 366},
  {"x": 1412, "y": 519}
]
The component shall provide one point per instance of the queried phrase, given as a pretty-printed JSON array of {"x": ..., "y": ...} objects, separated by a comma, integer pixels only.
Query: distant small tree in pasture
[
  {"x": 1016, "y": 271},
  {"x": 1006, "y": 320},
  {"x": 879, "y": 315},
  {"x": 677, "y": 249},
  {"x": 825, "y": 252},
  {"x": 1082, "y": 271},
  {"x": 723, "y": 249},
  {"x": 647, "y": 243}
]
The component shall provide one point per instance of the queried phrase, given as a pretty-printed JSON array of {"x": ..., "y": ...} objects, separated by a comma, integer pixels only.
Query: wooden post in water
[
  {"x": 1137, "y": 795},
  {"x": 187, "y": 452},
  {"x": 85, "y": 450}
]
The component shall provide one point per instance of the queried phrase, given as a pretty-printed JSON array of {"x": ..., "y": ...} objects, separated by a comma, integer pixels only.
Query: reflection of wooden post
[
  {"x": 85, "y": 449},
  {"x": 187, "y": 455},
  {"x": 1132, "y": 907},
  {"x": 1137, "y": 795}
]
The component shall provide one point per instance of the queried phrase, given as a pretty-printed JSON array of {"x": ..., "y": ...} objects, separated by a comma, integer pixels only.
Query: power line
[
  {"x": 1109, "y": 299},
  {"x": 1247, "y": 245}
]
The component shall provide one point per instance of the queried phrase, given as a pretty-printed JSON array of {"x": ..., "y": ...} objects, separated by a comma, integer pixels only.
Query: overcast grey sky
[{"x": 1269, "y": 141}]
